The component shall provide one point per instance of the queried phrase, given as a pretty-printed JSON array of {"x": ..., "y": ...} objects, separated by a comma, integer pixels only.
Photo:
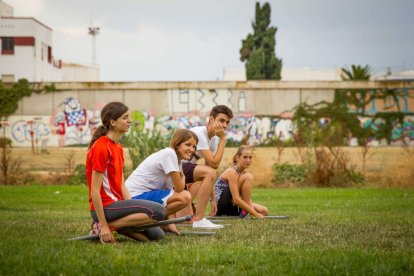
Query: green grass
[{"x": 330, "y": 231}]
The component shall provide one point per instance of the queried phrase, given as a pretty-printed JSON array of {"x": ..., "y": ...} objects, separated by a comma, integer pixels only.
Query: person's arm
[
  {"x": 97, "y": 178},
  {"x": 233, "y": 178},
  {"x": 211, "y": 160},
  {"x": 178, "y": 181}
]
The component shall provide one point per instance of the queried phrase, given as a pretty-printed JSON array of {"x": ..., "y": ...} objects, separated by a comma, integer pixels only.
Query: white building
[
  {"x": 294, "y": 74},
  {"x": 26, "y": 49},
  {"x": 79, "y": 72},
  {"x": 26, "y": 52},
  {"x": 395, "y": 75},
  {"x": 311, "y": 74}
]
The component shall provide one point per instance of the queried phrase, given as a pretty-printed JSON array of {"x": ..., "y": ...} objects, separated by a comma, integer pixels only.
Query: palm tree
[{"x": 357, "y": 72}]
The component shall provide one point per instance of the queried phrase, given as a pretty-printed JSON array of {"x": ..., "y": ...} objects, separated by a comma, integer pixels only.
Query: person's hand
[
  {"x": 213, "y": 206},
  {"x": 106, "y": 234},
  {"x": 219, "y": 130},
  {"x": 259, "y": 216}
]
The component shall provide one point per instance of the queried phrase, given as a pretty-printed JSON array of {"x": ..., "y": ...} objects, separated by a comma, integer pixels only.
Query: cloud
[
  {"x": 72, "y": 31},
  {"x": 26, "y": 8},
  {"x": 195, "y": 40}
]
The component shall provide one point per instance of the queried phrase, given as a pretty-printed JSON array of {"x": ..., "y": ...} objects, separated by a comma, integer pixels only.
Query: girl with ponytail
[
  {"x": 234, "y": 188},
  {"x": 110, "y": 203}
]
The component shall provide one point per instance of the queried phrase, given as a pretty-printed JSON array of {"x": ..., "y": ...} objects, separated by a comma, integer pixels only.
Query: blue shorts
[{"x": 159, "y": 196}]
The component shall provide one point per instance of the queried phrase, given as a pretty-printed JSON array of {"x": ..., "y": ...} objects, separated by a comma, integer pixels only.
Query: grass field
[{"x": 330, "y": 231}]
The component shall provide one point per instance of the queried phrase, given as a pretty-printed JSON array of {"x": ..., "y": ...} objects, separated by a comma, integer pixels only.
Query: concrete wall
[
  {"x": 262, "y": 109},
  {"x": 160, "y": 98}
]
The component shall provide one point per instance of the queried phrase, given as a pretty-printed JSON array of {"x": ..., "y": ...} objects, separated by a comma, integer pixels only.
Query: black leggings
[
  {"x": 123, "y": 208},
  {"x": 225, "y": 205}
]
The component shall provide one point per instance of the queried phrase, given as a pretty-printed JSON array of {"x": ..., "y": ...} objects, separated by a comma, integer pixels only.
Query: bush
[
  {"x": 10, "y": 167},
  {"x": 288, "y": 173},
  {"x": 142, "y": 143},
  {"x": 333, "y": 169},
  {"x": 5, "y": 142},
  {"x": 230, "y": 143},
  {"x": 79, "y": 176}
]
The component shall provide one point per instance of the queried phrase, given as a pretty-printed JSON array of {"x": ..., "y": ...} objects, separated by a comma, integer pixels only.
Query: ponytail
[{"x": 100, "y": 131}]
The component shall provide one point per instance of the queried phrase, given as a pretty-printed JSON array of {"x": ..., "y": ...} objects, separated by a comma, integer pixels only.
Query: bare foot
[{"x": 171, "y": 228}]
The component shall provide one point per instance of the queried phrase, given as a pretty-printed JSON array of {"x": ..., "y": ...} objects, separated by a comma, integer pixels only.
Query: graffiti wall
[
  {"x": 202, "y": 100},
  {"x": 71, "y": 124}
]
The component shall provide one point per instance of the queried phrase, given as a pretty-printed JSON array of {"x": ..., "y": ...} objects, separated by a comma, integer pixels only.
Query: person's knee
[
  {"x": 159, "y": 212},
  {"x": 210, "y": 174},
  {"x": 247, "y": 177},
  {"x": 186, "y": 197}
]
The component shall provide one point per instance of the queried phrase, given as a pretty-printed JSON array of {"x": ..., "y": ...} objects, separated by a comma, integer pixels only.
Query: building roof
[{"x": 28, "y": 18}]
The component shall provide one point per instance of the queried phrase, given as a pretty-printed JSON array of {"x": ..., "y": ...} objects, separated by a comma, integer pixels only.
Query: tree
[
  {"x": 382, "y": 123},
  {"x": 357, "y": 72},
  {"x": 10, "y": 95},
  {"x": 359, "y": 98},
  {"x": 258, "y": 49}
]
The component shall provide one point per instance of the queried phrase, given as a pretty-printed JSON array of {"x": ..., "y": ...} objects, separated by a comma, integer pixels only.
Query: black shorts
[
  {"x": 225, "y": 205},
  {"x": 188, "y": 170}
]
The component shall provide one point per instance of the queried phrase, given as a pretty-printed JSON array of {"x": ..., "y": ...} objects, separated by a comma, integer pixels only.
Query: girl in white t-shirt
[{"x": 159, "y": 177}]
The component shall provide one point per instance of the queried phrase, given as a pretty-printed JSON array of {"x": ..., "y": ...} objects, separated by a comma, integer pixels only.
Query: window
[
  {"x": 242, "y": 101},
  {"x": 389, "y": 101},
  {"x": 184, "y": 96},
  {"x": 7, "y": 45},
  {"x": 49, "y": 54},
  {"x": 42, "y": 51}
]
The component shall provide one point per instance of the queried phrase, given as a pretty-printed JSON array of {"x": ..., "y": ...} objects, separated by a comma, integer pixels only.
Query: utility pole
[{"x": 93, "y": 31}]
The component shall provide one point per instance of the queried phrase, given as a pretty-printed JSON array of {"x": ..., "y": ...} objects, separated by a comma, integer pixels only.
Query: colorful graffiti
[
  {"x": 28, "y": 130},
  {"x": 401, "y": 133},
  {"x": 71, "y": 124}
]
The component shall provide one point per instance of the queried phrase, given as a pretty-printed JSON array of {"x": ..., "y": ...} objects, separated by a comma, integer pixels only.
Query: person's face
[
  {"x": 222, "y": 119},
  {"x": 245, "y": 159},
  {"x": 186, "y": 149},
  {"x": 122, "y": 124}
]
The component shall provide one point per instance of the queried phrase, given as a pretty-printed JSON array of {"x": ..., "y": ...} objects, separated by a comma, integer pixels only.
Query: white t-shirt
[
  {"x": 152, "y": 173},
  {"x": 204, "y": 142}
]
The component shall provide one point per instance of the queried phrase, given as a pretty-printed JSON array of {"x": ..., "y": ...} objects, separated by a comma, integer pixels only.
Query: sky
[{"x": 195, "y": 40}]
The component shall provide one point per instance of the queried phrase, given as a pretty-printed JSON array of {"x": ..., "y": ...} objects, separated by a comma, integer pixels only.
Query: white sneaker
[{"x": 205, "y": 223}]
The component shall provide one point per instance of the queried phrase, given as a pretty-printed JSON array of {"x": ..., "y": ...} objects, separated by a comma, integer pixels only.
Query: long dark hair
[{"x": 111, "y": 111}]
